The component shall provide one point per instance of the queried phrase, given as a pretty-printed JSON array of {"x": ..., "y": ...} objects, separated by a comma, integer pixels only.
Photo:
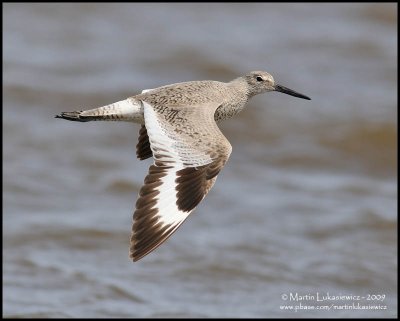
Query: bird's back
[{"x": 197, "y": 93}]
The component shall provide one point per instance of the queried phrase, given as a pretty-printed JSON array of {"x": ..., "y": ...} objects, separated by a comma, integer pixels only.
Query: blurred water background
[{"x": 306, "y": 204}]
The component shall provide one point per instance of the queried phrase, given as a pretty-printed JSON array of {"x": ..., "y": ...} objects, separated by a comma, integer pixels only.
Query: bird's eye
[{"x": 259, "y": 78}]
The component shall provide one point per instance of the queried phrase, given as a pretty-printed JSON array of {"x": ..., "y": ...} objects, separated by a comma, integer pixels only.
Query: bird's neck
[
  {"x": 235, "y": 98},
  {"x": 240, "y": 87}
]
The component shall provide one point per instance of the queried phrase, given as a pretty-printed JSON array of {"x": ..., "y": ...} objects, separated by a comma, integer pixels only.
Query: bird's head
[{"x": 260, "y": 82}]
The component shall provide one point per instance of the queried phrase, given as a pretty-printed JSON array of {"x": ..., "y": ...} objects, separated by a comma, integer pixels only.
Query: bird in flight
[{"x": 179, "y": 130}]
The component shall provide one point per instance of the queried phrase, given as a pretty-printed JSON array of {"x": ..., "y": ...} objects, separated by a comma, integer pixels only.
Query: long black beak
[{"x": 290, "y": 92}]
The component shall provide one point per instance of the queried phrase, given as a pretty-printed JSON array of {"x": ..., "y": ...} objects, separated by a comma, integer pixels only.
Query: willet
[{"x": 179, "y": 129}]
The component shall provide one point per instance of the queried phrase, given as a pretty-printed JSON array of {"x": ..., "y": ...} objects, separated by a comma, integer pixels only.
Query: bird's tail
[{"x": 129, "y": 109}]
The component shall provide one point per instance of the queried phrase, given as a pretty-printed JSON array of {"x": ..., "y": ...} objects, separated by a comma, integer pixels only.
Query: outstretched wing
[{"x": 189, "y": 150}]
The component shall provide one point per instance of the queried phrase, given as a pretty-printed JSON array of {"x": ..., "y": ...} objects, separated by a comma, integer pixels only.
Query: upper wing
[{"x": 189, "y": 150}]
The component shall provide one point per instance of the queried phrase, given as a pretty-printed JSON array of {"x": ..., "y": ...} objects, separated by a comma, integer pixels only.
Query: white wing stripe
[
  {"x": 168, "y": 211},
  {"x": 157, "y": 137},
  {"x": 179, "y": 151}
]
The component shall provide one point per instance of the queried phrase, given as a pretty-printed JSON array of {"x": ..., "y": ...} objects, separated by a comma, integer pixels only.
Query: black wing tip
[
  {"x": 143, "y": 246},
  {"x": 134, "y": 258},
  {"x": 136, "y": 255},
  {"x": 138, "y": 252}
]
